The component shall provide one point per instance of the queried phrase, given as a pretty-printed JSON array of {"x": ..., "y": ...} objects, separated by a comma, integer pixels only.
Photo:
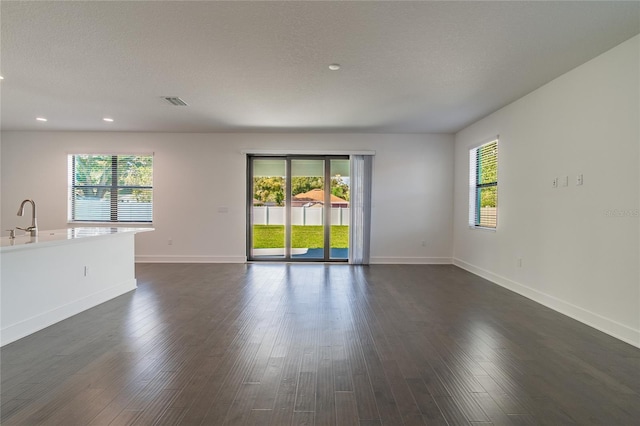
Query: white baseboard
[
  {"x": 191, "y": 259},
  {"x": 592, "y": 319},
  {"x": 26, "y": 327},
  {"x": 410, "y": 260},
  {"x": 242, "y": 259}
]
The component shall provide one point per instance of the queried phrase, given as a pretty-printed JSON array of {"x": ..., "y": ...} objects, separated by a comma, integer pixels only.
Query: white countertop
[{"x": 62, "y": 236}]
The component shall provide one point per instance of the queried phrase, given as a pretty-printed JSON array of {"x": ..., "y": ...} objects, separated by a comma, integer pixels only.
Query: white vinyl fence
[
  {"x": 488, "y": 216},
  {"x": 311, "y": 216},
  {"x": 100, "y": 210}
]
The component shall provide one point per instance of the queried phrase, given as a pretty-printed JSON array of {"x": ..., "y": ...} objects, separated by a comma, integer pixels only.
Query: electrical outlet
[
  {"x": 424, "y": 243},
  {"x": 86, "y": 271},
  {"x": 564, "y": 180},
  {"x": 579, "y": 179},
  {"x": 554, "y": 183},
  {"x": 170, "y": 241}
]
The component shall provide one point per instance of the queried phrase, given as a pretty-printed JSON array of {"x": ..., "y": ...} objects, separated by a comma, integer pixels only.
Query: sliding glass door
[
  {"x": 307, "y": 196},
  {"x": 298, "y": 208},
  {"x": 339, "y": 183},
  {"x": 266, "y": 196}
]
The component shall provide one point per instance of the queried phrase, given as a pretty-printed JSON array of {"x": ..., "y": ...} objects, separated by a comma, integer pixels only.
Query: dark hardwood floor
[{"x": 314, "y": 344}]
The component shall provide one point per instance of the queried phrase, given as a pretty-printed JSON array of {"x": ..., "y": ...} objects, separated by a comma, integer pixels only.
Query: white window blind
[
  {"x": 360, "y": 221},
  {"x": 483, "y": 185},
  {"x": 110, "y": 188}
]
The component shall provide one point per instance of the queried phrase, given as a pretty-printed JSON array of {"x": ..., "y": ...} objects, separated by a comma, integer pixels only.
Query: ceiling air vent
[{"x": 174, "y": 100}]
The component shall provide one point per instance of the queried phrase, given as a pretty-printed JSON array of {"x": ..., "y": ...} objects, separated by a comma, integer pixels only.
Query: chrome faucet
[{"x": 33, "y": 229}]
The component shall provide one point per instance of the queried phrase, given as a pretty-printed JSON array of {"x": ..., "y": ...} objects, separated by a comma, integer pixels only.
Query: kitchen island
[{"x": 57, "y": 274}]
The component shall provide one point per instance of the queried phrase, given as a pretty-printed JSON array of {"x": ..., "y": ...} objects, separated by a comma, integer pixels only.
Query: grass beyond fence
[{"x": 272, "y": 236}]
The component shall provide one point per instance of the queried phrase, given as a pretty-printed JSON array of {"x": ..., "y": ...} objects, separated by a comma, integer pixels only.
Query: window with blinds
[
  {"x": 110, "y": 188},
  {"x": 483, "y": 185}
]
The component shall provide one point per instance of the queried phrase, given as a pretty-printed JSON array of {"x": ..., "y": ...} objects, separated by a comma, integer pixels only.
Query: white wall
[
  {"x": 576, "y": 257},
  {"x": 196, "y": 174}
]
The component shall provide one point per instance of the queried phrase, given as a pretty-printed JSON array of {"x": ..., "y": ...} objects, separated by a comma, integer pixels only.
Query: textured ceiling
[{"x": 263, "y": 66}]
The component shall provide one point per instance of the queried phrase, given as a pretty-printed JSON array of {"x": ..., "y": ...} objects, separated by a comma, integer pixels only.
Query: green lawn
[{"x": 272, "y": 236}]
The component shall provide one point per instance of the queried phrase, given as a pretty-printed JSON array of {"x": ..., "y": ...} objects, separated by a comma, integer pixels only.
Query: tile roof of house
[{"x": 317, "y": 195}]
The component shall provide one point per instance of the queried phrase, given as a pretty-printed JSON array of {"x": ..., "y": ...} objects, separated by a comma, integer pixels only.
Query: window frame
[
  {"x": 475, "y": 187},
  {"x": 112, "y": 188}
]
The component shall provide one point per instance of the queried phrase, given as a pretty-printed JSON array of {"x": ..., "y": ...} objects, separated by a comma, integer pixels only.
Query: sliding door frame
[{"x": 288, "y": 215}]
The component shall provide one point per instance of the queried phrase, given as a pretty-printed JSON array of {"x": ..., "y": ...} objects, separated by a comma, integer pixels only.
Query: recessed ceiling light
[
  {"x": 334, "y": 67},
  {"x": 41, "y": 119},
  {"x": 110, "y": 120}
]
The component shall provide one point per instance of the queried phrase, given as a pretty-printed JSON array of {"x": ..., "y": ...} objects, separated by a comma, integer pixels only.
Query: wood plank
[
  {"x": 385, "y": 402},
  {"x": 426, "y": 404},
  {"x": 172, "y": 416},
  {"x": 346, "y": 410},
  {"x": 325, "y": 400},
  {"x": 405, "y": 402},
  {"x": 305, "y": 392},
  {"x": 303, "y": 418}
]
